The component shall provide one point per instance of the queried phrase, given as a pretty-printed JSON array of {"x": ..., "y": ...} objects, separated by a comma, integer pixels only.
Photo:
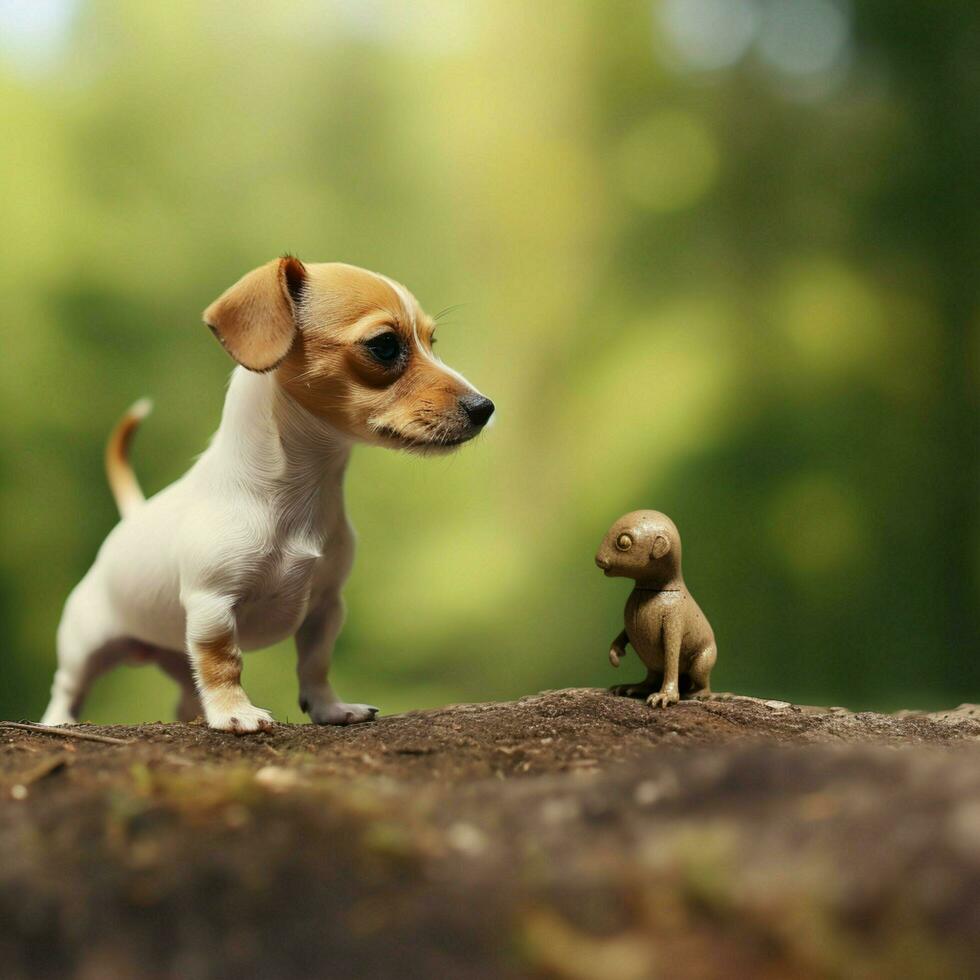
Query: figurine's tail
[{"x": 122, "y": 480}]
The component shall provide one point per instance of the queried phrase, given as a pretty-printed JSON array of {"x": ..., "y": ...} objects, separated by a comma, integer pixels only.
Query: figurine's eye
[
  {"x": 624, "y": 542},
  {"x": 385, "y": 348}
]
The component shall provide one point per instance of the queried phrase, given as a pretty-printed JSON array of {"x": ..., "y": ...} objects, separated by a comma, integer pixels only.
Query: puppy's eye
[
  {"x": 386, "y": 348},
  {"x": 624, "y": 542}
]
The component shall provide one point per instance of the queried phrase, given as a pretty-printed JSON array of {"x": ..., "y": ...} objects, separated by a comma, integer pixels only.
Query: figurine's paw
[
  {"x": 241, "y": 720},
  {"x": 663, "y": 698},
  {"x": 615, "y": 656},
  {"x": 630, "y": 690},
  {"x": 341, "y": 713}
]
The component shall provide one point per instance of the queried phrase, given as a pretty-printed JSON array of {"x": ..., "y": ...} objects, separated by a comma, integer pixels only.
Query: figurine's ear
[
  {"x": 660, "y": 546},
  {"x": 255, "y": 319}
]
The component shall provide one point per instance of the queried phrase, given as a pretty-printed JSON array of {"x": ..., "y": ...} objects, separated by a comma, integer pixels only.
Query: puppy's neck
[{"x": 269, "y": 441}]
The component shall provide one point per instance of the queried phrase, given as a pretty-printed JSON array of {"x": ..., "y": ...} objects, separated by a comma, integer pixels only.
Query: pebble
[
  {"x": 466, "y": 839},
  {"x": 559, "y": 811},
  {"x": 277, "y": 778},
  {"x": 651, "y": 791}
]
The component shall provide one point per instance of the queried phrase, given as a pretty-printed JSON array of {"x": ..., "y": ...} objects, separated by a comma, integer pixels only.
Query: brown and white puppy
[
  {"x": 663, "y": 622},
  {"x": 252, "y": 544}
]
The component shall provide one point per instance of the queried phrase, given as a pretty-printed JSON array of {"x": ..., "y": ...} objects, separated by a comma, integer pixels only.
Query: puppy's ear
[
  {"x": 660, "y": 546},
  {"x": 255, "y": 319}
]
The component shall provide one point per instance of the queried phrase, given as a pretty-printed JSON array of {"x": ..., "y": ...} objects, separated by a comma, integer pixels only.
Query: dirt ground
[{"x": 571, "y": 834}]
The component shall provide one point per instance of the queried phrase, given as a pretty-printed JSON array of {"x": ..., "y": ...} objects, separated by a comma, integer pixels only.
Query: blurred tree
[{"x": 927, "y": 206}]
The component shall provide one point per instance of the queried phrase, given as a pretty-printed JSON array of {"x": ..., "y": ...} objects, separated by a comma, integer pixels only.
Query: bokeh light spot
[
  {"x": 804, "y": 37},
  {"x": 669, "y": 162},
  {"x": 33, "y": 33},
  {"x": 831, "y": 316},
  {"x": 708, "y": 35},
  {"x": 815, "y": 527}
]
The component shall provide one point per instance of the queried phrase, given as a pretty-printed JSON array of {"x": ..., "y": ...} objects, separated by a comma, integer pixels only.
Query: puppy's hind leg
[
  {"x": 177, "y": 667},
  {"x": 314, "y": 648},
  {"x": 189, "y": 707},
  {"x": 88, "y": 645}
]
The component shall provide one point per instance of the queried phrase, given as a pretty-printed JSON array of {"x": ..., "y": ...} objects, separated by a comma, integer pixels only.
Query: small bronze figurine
[{"x": 664, "y": 624}]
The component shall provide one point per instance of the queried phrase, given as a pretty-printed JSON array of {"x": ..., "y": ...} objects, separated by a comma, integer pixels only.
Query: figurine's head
[
  {"x": 643, "y": 545},
  {"x": 354, "y": 348}
]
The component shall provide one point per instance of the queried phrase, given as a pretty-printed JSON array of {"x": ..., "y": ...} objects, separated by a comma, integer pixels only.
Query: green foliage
[{"x": 743, "y": 296}]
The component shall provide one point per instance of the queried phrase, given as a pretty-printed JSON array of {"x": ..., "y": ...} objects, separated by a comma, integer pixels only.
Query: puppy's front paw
[
  {"x": 663, "y": 698},
  {"x": 340, "y": 713},
  {"x": 241, "y": 720}
]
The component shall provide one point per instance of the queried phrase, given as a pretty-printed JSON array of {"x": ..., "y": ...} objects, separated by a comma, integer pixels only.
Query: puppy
[
  {"x": 663, "y": 622},
  {"x": 252, "y": 545}
]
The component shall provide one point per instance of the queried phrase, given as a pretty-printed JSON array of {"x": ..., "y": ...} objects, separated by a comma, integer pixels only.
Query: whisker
[{"x": 449, "y": 309}]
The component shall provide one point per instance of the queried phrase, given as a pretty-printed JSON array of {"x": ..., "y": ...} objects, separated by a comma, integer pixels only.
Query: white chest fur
[
  {"x": 286, "y": 579},
  {"x": 288, "y": 469}
]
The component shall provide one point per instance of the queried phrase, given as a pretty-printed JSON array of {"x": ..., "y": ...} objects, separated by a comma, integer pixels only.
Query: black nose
[{"x": 478, "y": 409}]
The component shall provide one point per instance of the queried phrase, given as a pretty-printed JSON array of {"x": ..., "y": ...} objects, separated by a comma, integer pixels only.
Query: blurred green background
[{"x": 717, "y": 257}]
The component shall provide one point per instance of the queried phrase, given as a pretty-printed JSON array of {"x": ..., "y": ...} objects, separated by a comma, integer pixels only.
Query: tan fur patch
[
  {"x": 338, "y": 296},
  {"x": 219, "y": 664}
]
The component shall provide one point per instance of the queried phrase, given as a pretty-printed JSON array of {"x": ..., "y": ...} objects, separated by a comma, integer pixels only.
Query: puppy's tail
[{"x": 122, "y": 480}]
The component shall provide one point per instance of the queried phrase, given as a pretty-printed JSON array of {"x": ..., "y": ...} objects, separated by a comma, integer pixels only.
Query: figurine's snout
[{"x": 603, "y": 563}]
